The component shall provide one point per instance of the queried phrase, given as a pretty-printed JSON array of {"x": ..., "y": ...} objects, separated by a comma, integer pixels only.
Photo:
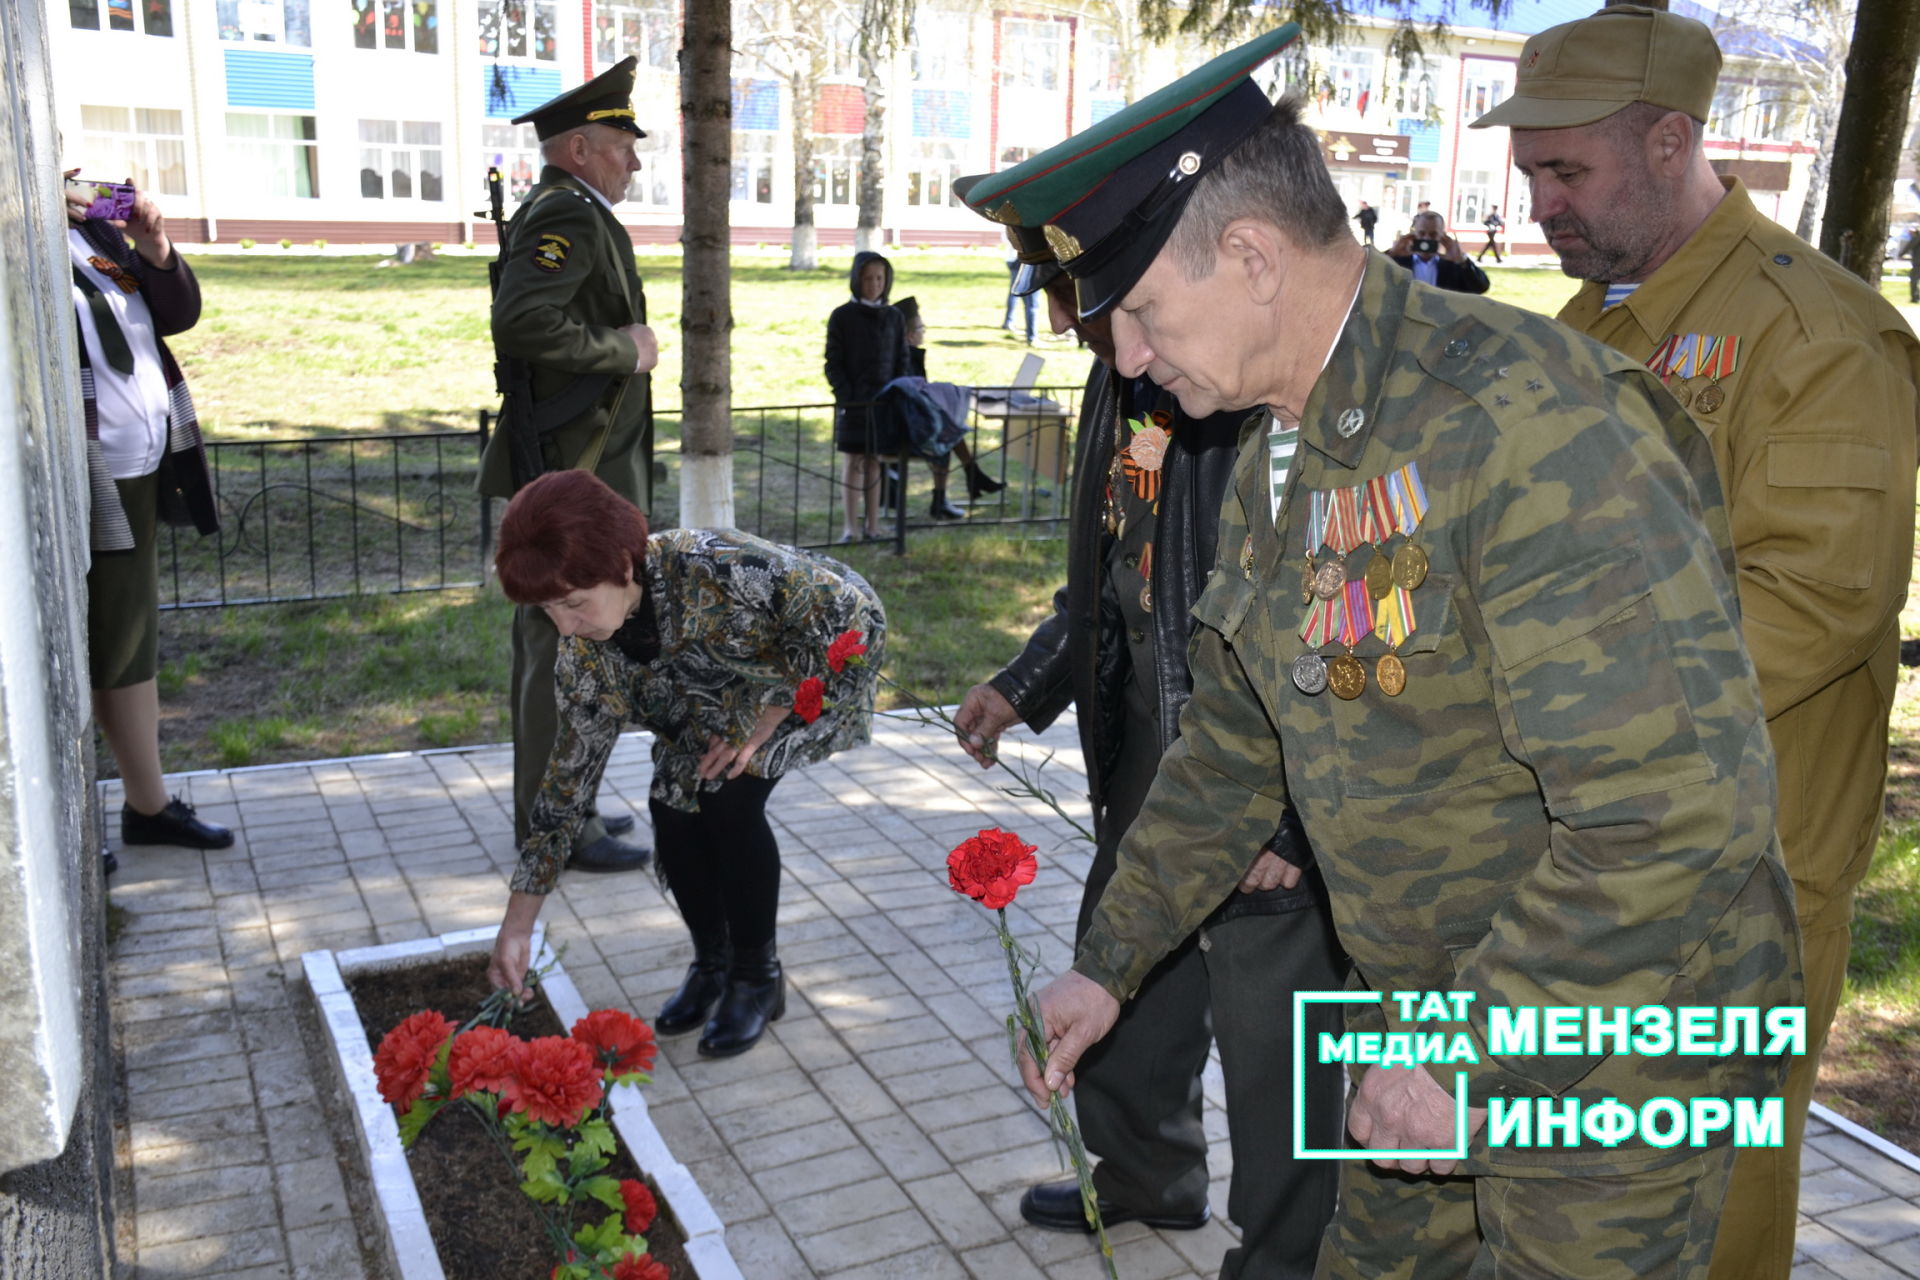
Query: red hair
[{"x": 567, "y": 531}]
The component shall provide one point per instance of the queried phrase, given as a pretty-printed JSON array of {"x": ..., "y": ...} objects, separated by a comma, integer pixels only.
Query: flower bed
[{"x": 410, "y": 1243}]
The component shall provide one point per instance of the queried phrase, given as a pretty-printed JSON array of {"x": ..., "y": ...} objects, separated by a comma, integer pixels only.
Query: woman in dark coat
[
  {"x": 711, "y": 638},
  {"x": 866, "y": 349}
]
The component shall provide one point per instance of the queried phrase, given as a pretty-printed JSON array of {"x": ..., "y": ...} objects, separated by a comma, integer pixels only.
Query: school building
[{"x": 375, "y": 121}]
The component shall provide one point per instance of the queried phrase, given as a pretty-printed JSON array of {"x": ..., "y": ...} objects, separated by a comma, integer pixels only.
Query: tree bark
[
  {"x": 1871, "y": 133},
  {"x": 805, "y": 86},
  {"x": 706, "y": 312},
  {"x": 873, "y": 159}
]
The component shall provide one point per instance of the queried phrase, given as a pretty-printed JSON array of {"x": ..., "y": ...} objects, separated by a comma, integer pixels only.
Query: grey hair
[
  {"x": 1276, "y": 174},
  {"x": 557, "y": 144}
]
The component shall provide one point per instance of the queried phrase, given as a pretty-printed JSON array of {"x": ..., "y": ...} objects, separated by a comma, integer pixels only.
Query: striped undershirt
[
  {"x": 1618, "y": 292},
  {"x": 1281, "y": 442}
]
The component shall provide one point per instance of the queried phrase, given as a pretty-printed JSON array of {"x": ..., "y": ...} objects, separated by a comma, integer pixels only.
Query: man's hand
[
  {"x": 1075, "y": 1012},
  {"x": 1450, "y": 249},
  {"x": 1402, "y": 247},
  {"x": 983, "y": 713},
  {"x": 1270, "y": 871},
  {"x": 645, "y": 345},
  {"x": 1403, "y": 1109}
]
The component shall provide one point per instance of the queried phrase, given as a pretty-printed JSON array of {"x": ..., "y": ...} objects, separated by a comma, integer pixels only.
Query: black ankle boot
[
  {"x": 697, "y": 997},
  {"x": 944, "y": 510},
  {"x": 756, "y": 995},
  {"x": 979, "y": 482}
]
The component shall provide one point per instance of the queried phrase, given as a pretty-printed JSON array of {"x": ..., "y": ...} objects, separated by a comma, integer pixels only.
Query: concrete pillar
[{"x": 55, "y": 1064}]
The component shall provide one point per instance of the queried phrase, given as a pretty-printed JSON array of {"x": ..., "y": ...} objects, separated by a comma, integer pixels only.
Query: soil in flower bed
[{"x": 483, "y": 1225}]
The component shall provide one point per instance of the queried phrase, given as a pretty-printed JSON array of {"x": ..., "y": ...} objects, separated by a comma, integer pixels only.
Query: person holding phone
[
  {"x": 1436, "y": 257},
  {"x": 145, "y": 463}
]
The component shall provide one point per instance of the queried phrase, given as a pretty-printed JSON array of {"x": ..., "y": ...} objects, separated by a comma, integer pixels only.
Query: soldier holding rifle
[{"x": 573, "y": 352}]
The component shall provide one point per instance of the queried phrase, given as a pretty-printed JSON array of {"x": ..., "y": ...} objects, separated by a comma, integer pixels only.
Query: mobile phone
[
  {"x": 1421, "y": 245},
  {"x": 110, "y": 199}
]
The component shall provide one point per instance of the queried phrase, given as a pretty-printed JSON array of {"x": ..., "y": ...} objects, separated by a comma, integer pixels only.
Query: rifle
[{"x": 511, "y": 377}]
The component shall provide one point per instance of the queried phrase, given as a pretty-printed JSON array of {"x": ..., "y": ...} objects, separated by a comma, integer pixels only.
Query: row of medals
[{"x": 1346, "y": 674}]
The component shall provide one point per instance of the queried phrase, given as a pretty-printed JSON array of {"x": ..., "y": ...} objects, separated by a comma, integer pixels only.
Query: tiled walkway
[{"x": 876, "y": 1132}]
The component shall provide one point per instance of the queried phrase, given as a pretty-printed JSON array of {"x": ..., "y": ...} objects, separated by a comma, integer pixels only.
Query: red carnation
[
  {"x": 405, "y": 1057},
  {"x": 555, "y": 1080},
  {"x": 640, "y": 1267},
  {"x": 619, "y": 1040},
  {"x": 807, "y": 699},
  {"x": 481, "y": 1061},
  {"x": 991, "y": 867},
  {"x": 641, "y": 1210},
  {"x": 845, "y": 647}
]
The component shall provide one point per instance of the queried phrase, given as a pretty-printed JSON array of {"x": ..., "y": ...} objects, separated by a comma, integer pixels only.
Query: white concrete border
[
  {"x": 410, "y": 1247},
  {"x": 1899, "y": 1155}
]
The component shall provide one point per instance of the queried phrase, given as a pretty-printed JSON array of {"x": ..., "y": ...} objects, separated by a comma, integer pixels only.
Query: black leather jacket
[{"x": 1076, "y": 657}]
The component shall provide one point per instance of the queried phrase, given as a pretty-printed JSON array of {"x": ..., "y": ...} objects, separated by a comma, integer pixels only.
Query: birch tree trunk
[{"x": 706, "y": 312}]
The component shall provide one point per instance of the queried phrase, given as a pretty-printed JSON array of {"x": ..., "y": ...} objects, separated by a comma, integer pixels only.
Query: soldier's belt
[{"x": 580, "y": 395}]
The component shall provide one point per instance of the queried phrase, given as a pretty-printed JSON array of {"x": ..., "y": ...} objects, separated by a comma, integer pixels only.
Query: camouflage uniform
[
  {"x": 1571, "y": 802},
  {"x": 1809, "y": 405}
]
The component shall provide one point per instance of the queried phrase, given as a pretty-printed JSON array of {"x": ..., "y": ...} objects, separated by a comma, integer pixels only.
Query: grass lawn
[{"x": 306, "y": 345}]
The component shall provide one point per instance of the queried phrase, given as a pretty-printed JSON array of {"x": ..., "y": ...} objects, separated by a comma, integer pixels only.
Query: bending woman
[{"x": 704, "y": 637}]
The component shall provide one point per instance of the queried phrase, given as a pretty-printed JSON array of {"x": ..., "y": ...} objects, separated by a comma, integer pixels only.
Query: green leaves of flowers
[{"x": 606, "y": 1239}]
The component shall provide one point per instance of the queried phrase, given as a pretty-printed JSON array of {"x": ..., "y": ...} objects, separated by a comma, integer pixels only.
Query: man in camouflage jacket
[{"x": 1527, "y": 747}]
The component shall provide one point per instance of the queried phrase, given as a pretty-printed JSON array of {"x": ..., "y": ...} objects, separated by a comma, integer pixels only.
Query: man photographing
[{"x": 1436, "y": 258}]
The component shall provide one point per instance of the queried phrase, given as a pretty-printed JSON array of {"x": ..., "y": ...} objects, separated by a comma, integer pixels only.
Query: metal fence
[{"x": 322, "y": 517}]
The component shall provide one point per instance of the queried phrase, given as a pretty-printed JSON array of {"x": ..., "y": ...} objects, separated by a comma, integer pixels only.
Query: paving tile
[
  {"x": 728, "y": 1189},
  {"x": 806, "y": 1142},
  {"x": 1904, "y": 1254},
  {"x": 1821, "y": 1244},
  {"x": 868, "y": 1241},
  {"x": 764, "y": 1251},
  {"x": 161, "y": 1193},
  {"x": 1868, "y": 1163},
  {"x": 231, "y": 1096},
  {"x": 810, "y": 1108},
  {"x": 205, "y": 1256},
  {"x": 899, "y": 1145},
  {"x": 233, "y": 1214},
  {"x": 1835, "y": 1188},
  {"x": 325, "y": 1251},
  {"x": 829, "y": 1170},
  {"x": 1878, "y": 1223},
  {"x": 961, "y": 1217},
  {"x": 934, "y": 1262},
  {"x": 824, "y": 1211}
]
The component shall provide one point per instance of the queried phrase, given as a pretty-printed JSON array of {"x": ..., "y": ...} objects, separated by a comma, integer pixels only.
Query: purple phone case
[{"x": 111, "y": 200}]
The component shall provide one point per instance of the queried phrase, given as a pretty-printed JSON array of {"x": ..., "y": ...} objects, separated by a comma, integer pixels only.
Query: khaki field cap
[{"x": 1580, "y": 72}]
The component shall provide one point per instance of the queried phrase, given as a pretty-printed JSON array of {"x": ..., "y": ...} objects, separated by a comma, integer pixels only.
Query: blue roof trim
[{"x": 257, "y": 78}]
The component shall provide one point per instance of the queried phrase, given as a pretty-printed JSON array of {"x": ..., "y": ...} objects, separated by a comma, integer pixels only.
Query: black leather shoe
[
  {"x": 756, "y": 995},
  {"x": 1056, "y": 1207},
  {"x": 108, "y": 863},
  {"x": 618, "y": 825},
  {"x": 693, "y": 1004},
  {"x": 944, "y": 510},
  {"x": 609, "y": 854},
  {"x": 174, "y": 824}
]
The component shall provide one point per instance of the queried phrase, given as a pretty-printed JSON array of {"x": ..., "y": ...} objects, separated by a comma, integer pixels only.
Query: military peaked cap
[
  {"x": 606, "y": 99},
  {"x": 1108, "y": 197}
]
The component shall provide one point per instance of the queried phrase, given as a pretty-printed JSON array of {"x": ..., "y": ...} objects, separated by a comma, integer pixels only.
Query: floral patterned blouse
[{"x": 742, "y": 621}]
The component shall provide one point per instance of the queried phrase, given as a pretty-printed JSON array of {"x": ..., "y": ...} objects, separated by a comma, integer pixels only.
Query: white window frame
[
  {"x": 103, "y": 18},
  {"x": 266, "y": 22},
  {"x": 247, "y": 168},
  {"x": 410, "y": 22},
  {"x": 753, "y": 156},
  {"x": 408, "y": 151},
  {"x": 122, "y": 147},
  {"x": 658, "y": 32},
  {"x": 528, "y": 30},
  {"x": 1033, "y": 54},
  {"x": 515, "y": 149}
]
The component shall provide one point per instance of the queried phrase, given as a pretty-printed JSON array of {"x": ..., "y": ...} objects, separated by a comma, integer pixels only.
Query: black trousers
[
  {"x": 1138, "y": 1094},
  {"x": 722, "y": 864}
]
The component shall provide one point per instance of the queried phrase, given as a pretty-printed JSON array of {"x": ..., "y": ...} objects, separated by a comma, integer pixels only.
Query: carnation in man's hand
[{"x": 991, "y": 867}]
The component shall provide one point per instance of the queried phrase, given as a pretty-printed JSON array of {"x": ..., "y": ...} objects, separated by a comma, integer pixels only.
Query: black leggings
[{"x": 722, "y": 863}]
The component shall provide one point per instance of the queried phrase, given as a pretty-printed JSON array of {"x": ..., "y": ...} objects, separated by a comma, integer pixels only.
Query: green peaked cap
[
  {"x": 1109, "y": 195},
  {"x": 1037, "y": 189}
]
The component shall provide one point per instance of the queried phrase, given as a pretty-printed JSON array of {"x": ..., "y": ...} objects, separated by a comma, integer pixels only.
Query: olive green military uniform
[
  {"x": 567, "y": 285},
  {"x": 1803, "y": 379},
  {"x": 1570, "y": 802}
]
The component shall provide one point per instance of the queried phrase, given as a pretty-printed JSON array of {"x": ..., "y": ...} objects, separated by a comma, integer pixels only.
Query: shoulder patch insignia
[{"x": 551, "y": 253}]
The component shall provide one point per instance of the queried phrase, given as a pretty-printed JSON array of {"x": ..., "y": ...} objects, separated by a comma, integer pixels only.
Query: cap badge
[
  {"x": 610, "y": 113},
  {"x": 1005, "y": 214},
  {"x": 1065, "y": 244}
]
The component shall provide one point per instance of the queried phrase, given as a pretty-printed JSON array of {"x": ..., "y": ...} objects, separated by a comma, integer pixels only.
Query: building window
[
  {"x": 146, "y": 143},
  {"x": 642, "y": 29},
  {"x": 514, "y": 149},
  {"x": 1406, "y": 196},
  {"x": 1481, "y": 92},
  {"x": 931, "y": 168},
  {"x": 1776, "y": 112},
  {"x": 939, "y": 48},
  {"x": 1106, "y": 70},
  {"x": 658, "y": 177},
  {"x": 518, "y": 29},
  {"x": 156, "y": 16},
  {"x": 1033, "y": 53},
  {"x": 397, "y": 24},
  {"x": 273, "y": 155},
  {"x": 400, "y": 160},
  {"x": 1350, "y": 80},
  {"x": 836, "y": 170},
  {"x": 1416, "y": 88},
  {"x": 1471, "y": 195},
  {"x": 752, "y": 168},
  {"x": 269, "y": 21}
]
